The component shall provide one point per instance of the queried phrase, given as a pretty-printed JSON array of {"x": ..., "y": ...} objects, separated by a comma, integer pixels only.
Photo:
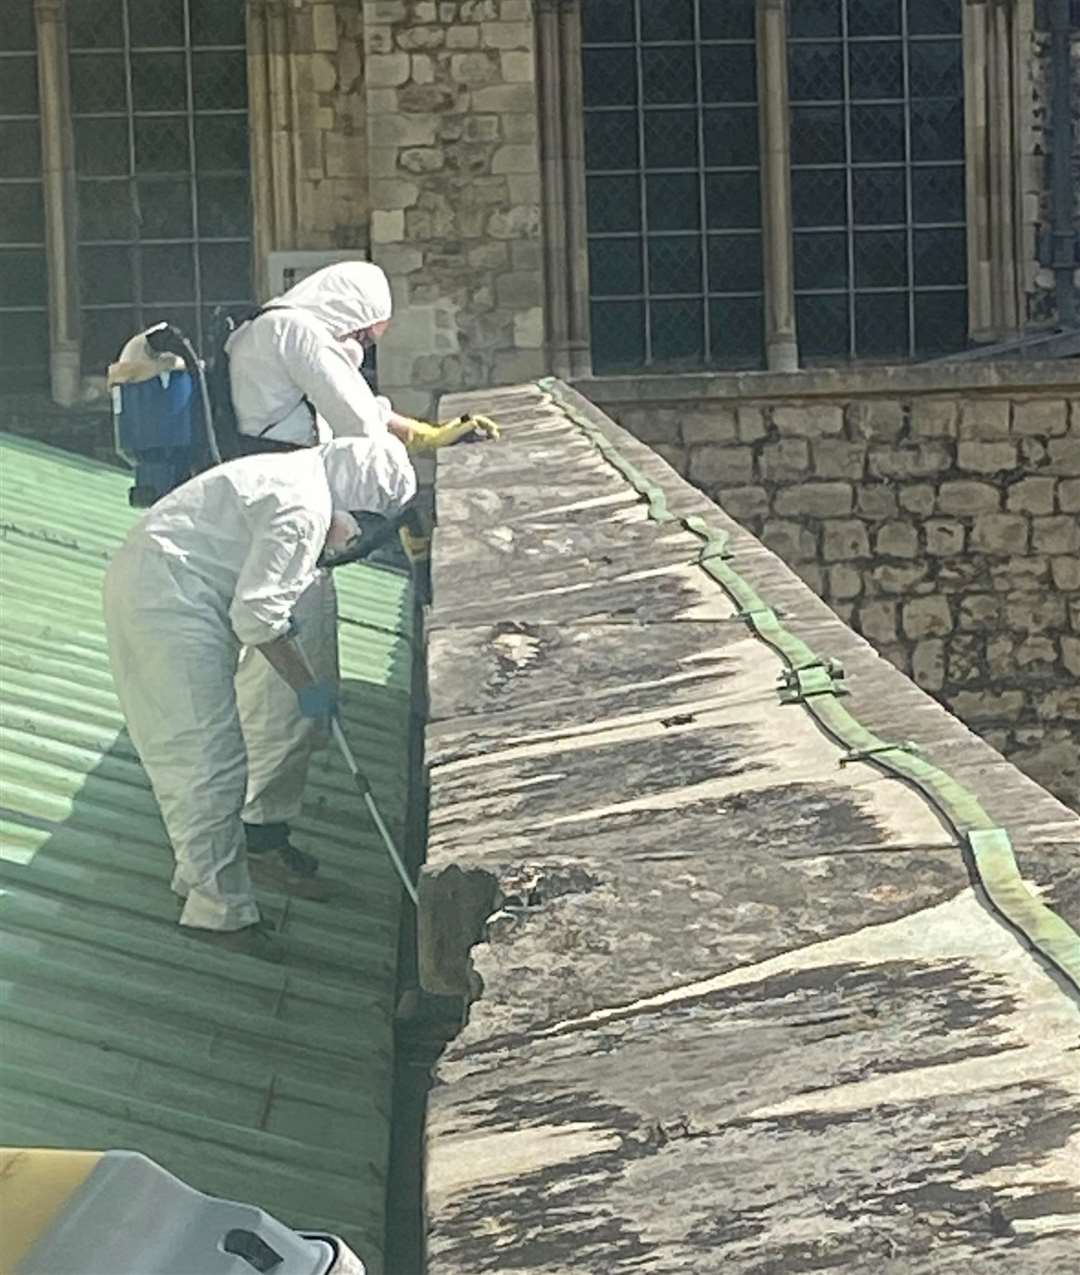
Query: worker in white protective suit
[
  {"x": 215, "y": 566},
  {"x": 296, "y": 381}
]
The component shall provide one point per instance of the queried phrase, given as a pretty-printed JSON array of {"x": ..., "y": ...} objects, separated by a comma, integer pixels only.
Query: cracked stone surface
[{"x": 742, "y": 1008}]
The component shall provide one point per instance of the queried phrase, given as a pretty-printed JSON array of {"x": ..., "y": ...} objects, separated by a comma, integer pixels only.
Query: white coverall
[
  {"x": 217, "y": 564},
  {"x": 277, "y": 361}
]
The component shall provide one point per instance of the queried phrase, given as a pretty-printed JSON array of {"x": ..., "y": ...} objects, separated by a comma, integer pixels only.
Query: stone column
[
  {"x": 58, "y": 188},
  {"x": 778, "y": 254}
]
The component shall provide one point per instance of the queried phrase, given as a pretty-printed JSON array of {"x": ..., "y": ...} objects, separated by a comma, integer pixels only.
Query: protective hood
[
  {"x": 343, "y": 297},
  {"x": 372, "y": 474}
]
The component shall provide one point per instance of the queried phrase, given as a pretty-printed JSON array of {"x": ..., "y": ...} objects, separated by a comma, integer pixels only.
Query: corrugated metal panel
[{"x": 259, "y": 1082}]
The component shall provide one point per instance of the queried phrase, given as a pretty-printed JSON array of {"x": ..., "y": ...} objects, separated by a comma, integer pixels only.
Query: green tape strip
[{"x": 991, "y": 850}]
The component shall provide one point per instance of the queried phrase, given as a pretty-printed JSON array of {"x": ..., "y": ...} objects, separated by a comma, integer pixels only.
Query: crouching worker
[{"x": 217, "y": 565}]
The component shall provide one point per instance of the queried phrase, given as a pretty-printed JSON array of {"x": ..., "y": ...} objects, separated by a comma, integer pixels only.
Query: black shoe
[{"x": 289, "y": 871}]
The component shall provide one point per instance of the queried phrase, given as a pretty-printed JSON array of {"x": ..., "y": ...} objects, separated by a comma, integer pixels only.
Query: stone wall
[
  {"x": 455, "y": 193},
  {"x": 938, "y": 511}
]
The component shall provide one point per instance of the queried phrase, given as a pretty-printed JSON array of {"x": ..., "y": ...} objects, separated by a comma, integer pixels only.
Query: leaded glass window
[
  {"x": 24, "y": 316},
  {"x": 877, "y": 143},
  {"x": 159, "y": 104},
  {"x": 674, "y": 208}
]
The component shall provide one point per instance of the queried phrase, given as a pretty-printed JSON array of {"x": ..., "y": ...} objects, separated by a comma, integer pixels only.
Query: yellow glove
[
  {"x": 425, "y": 438},
  {"x": 416, "y": 547}
]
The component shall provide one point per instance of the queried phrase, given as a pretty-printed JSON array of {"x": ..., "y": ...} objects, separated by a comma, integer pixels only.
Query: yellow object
[
  {"x": 34, "y": 1186},
  {"x": 416, "y": 547},
  {"x": 427, "y": 438}
]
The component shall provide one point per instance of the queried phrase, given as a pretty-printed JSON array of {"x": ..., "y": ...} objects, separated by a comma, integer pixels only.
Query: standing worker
[
  {"x": 215, "y": 566},
  {"x": 294, "y": 374}
]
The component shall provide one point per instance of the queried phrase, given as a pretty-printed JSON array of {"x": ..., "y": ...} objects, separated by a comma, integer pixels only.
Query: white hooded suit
[{"x": 217, "y": 565}]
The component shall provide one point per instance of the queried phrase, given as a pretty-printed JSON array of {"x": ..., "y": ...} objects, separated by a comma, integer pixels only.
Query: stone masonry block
[
  {"x": 387, "y": 226},
  {"x": 844, "y": 539},
  {"x": 461, "y": 36},
  {"x": 815, "y": 500},
  {"x": 529, "y": 328},
  {"x": 419, "y": 38},
  {"x": 480, "y": 10},
  {"x": 845, "y": 582},
  {"x": 514, "y": 159},
  {"x": 324, "y": 73},
  {"x": 1035, "y": 612},
  {"x": 708, "y": 425},
  {"x": 1070, "y": 655},
  {"x": 933, "y": 418},
  {"x": 837, "y": 458},
  {"x": 404, "y": 130},
  {"x": 481, "y": 128},
  {"x": 379, "y": 39},
  {"x": 981, "y": 612},
  {"x": 1059, "y": 533},
  {"x": 1064, "y": 453},
  {"x": 751, "y": 423},
  {"x": 506, "y": 35},
  {"x": 505, "y": 99},
  {"x": 920, "y": 461},
  {"x": 896, "y": 577},
  {"x": 944, "y": 539},
  {"x": 745, "y": 504},
  {"x": 1045, "y": 417},
  {"x": 389, "y": 192},
  {"x": 981, "y": 706},
  {"x": 897, "y": 540},
  {"x": 422, "y": 159},
  {"x": 717, "y": 467},
  {"x": 786, "y": 459},
  {"x": 790, "y": 540},
  {"x": 324, "y": 32},
  {"x": 1031, "y": 496},
  {"x": 876, "y": 500},
  {"x": 1068, "y": 495},
  {"x": 518, "y": 68},
  {"x": 918, "y": 498},
  {"x": 422, "y": 68},
  {"x": 490, "y": 256},
  {"x": 519, "y": 128},
  {"x": 387, "y": 69},
  {"x": 927, "y": 617},
  {"x": 964, "y": 497},
  {"x": 983, "y": 419},
  {"x": 881, "y": 419},
  {"x": 522, "y": 222},
  {"x": 1000, "y": 533},
  {"x": 474, "y": 68},
  {"x": 811, "y": 420},
  {"x": 518, "y": 290},
  {"x": 1065, "y": 573},
  {"x": 928, "y": 664},
  {"x": 986, "y": 458},
  {"x": 876, "y": 621}
]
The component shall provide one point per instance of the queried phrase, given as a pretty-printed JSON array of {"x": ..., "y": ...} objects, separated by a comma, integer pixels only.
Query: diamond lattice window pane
[
  {"x": 98, "y": 82},
  {"x": 218, "y": 22},
  {"x": 823, "y": 326},
  {"x": 677, "y": 331},
  {"x": 821, "y": 260},
  {"x": 225, "y": 207},
  {"x": 672, "y": 201},
  {"x": 618, "y": 335},
  {"x": 667, "y": 20},
  {"x": 732, "y": 201},
  {"x": 106, "y": 275},
  {"x": 610, "y": 77},
  {"x": 602, "y": 21},
  {"x": 95, "y": 24},
  {"x": 104, "y": 334},
  {"x": 816, "y": 72},
  {"x": 737, "y": 331},
  {"x": 159, "y": 81},
  {"x": 611, "y": 140},
  {"x": 937, "y": 194},
  {"x": 735, "y": 263},
  {"x": 815, "y": 18},
  {"x": 219, "y": 81},
  {"x": 727, "y": 20},
  {"x": 876, "y": 69},
  {"x": 105, "y": 210},
  {"x": 668, "y": 74},
  {"x": 817, "y": 135},
  {"x": 671, "y": 139},
  {"x": 101, "y": 148},
  {"x": 877, "y": 134},
  {"x": 23, "y": 218},
  {"x": 728, "y": 73},
  {"x": 936, "y": 68},
  {"x": 161, "y": 144},
  {"x": 937, "y": 130},
  {"x": 615, "y": 267},
  {"x": 156, "y": 23},
  {"x": 881, "y": 259},
  {"x": 674, "y": 264},
  {"x": 18, "y": 86},
  {"x": 819, "y": 196},
  {"x": 614, "y": 203},
  {"x": 873, "y": 17},
  {"x": 168, "y": 274},
  {"x": 225, "y": 271},
  {"x": 941, "y": 321},
  {"x": 933, "y": 17},
  {"x": 221, "y": 143},
  {"x": 731, "y": 136},
  {"x": 20, "y": 148},
  {"x": 940, "y": 257},
  {"x": 879, "y": 195},
  {"x": 881, "y": 325},
  {"x": 22, "y": 277},
  {"x": 164, "y": 208}
]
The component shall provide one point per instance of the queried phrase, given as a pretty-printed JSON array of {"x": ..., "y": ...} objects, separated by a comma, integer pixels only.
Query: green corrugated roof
[{"x": 263, "y": 1083}]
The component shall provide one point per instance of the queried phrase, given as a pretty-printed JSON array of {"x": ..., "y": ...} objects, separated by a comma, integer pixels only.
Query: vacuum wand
[{"x": 361, "y": 781}]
